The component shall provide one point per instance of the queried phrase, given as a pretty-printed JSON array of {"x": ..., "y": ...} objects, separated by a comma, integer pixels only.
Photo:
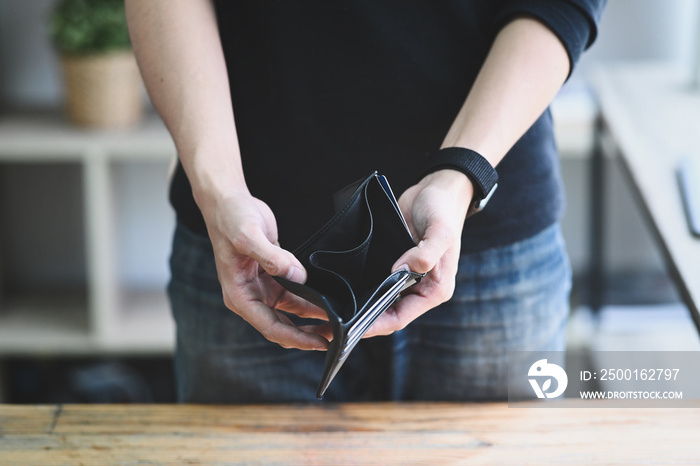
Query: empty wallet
[{"x": 348, "y": 263}]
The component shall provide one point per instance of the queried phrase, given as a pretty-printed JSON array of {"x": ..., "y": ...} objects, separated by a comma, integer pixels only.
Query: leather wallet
[{"x": 348, "y": 263}]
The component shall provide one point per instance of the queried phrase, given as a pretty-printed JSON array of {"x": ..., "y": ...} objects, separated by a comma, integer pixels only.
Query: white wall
[
  {"x": 646, "y": 29},
  {"x": 29, "y": 71}
]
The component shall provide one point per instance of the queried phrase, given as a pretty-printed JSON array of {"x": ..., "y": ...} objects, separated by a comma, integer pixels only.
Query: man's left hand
[{"x": 435, "y": 210}]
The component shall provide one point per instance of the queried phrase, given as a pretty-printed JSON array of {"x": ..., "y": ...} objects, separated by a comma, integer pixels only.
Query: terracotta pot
[{"x": 103, "y": 90}]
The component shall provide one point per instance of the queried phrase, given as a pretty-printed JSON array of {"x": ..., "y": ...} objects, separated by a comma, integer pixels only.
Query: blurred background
[{"x": 85, "y": 226}]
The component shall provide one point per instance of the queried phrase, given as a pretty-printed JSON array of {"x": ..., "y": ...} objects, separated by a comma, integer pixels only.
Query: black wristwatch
[{"x": 472, "y": 164}]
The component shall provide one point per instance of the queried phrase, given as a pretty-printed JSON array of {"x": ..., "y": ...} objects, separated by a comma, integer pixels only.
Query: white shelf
[
  {"x": 58, "y": 324},
  {"x": 110, "y": 317},
  {"x": 46, "y": 136},
  {"x": 45, "y": 323},
  {"x": 142, "y": 325}
]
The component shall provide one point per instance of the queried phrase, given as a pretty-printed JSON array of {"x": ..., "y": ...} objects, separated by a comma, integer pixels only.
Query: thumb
[
  {"x": 423, "y": 257},
  {"x": 273, "y": 259}
]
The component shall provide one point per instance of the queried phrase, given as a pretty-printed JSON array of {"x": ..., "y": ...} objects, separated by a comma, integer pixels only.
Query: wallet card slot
[
  {"x": 326, "y": 302},
  {"x": 390, "y": 237},
  {"x": 383, "y": 297},
  {"x": 390, "y": 194},
  {"x": 335, "y": 290},
  {"x": 345, "y": 231},
  {"x": 350, "y": 265}
]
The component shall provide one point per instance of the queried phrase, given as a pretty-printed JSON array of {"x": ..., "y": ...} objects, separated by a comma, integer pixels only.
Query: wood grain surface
[{"x": 378, "y": 433}]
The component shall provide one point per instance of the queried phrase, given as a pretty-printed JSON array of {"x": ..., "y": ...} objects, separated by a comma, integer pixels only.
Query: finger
[
  {"x": 273, "y": 259},
  {"x": 402, "y": 313},
  {"x": 283, "y": 332},
  {"x": 283, "y": 318},
  {"x": 293, "y": 304},
  {"x": 323, "y": 329},
  {"x": 423, "y": 257}
]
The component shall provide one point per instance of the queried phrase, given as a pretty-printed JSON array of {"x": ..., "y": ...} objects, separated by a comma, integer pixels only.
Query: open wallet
[{"x": 348, "y": 263}]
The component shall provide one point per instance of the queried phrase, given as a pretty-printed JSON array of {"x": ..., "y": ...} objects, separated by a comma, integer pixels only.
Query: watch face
[
  {"x": 471, "y": 163},
  {"x": 478, "y": 204},
  {"x": 485, "y": 200}
]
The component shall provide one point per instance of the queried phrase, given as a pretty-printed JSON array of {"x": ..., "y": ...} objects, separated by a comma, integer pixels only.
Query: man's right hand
[
  {"x": 178, "y": 49},
  {"x": 243, "y": 232}
]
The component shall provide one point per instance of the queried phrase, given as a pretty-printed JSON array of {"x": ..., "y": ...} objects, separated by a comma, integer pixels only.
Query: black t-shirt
[{"x": 326, "y": 92}]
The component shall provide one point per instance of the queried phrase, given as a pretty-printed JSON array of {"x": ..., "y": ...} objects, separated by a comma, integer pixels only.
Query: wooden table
[{"x": 378, "y": 433}]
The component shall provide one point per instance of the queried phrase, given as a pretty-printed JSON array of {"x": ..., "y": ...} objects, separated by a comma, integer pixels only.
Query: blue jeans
[{"x": 508, "y": 298}]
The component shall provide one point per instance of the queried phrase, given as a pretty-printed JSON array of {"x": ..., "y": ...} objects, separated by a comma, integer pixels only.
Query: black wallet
[{"x": 348, "y": 263}]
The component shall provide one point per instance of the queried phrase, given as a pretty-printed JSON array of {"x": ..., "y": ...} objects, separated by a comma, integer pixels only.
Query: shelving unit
[{"x": 104, "y": 312}]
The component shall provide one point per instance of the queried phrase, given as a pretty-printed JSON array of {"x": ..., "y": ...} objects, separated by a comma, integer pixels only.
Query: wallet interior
[{"x": 351, "y": 256}]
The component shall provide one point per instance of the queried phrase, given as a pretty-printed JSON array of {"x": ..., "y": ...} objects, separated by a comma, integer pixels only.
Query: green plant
[{"x": 89, "y": 26}]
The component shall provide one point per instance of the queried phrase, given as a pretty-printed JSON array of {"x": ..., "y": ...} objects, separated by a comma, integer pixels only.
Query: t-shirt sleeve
[{"x": 575, "y": 22}]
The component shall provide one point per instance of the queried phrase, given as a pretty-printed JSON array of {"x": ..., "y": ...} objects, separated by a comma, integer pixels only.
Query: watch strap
[{"x": 471, "y": 163}]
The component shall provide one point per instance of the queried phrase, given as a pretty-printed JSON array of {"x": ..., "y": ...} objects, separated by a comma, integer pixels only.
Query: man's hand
[
  {"x": 178, "y": 48},
  {"x": 243, "y": 232},
  {"x": 435, "y": 210},
  {"x": 524, "y": 69}
]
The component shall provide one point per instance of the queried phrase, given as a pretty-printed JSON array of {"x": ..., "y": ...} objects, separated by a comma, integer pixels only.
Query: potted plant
[{"x": 103, "y": 85}]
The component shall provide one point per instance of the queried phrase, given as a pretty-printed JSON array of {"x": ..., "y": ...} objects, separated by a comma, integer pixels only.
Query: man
[{"x": 324, "y": 93}]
